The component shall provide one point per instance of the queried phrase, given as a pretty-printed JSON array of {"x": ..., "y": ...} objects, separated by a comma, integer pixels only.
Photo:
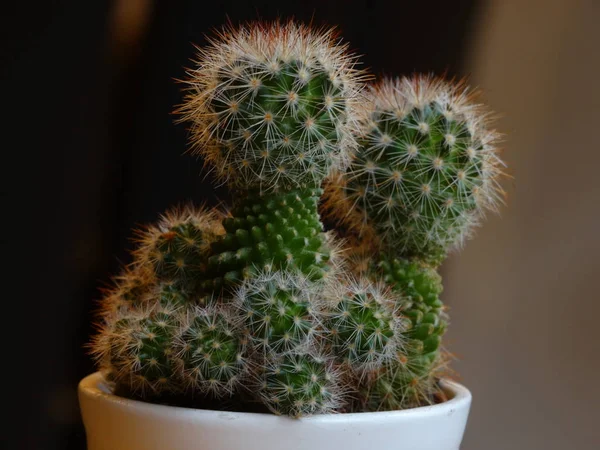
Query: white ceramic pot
[{"x": 116, "y": 423}]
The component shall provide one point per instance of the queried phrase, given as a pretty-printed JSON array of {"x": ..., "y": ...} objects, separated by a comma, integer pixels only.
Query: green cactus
[
  {"x": 427, "y": 168},
  {"x": 272, "y": 109},
  {"x": 177, "y": 247},
  {"x": 270, "y": 232},
  {"x": 135, "y": 349},
  {"x": 271, "y": 106},
  {"x": 400, "y": 386},
  {"x": 277, "y": 309},
  {"x": 129, "y": 290},
  {"x": 420, "y": 288},
  {"x": 211, "y": 352},
  {"x": 257, "y": 304},
  {"x": 300, "y": 384},
  {"x": 411, "y": 378},
  {"x": 363, "y": 325},
  {"x": 169, "y": 294}
]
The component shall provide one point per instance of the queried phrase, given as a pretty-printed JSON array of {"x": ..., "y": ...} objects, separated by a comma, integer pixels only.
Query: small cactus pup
[
  {"x": 211, "y": 352},
  {"x": 141, "y": 316},
  {"x": 272, "y": 108},
  {"x": 363, "y": 325},
  {"x": 300, "y": 384},
  {"x": 134, "y": 350},
  {"x": 279, "y": 311},
  {"x": 176, "y": 248},
  {"x": 426, "y": 171},
  {"x": 411, "y": 379}
]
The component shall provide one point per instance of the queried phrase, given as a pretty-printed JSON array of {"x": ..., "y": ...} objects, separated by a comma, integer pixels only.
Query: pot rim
[{"x": 95, "y": 387}]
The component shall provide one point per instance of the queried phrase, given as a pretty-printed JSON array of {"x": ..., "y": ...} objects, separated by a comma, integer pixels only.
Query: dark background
[{"x": 92, "y": 151}]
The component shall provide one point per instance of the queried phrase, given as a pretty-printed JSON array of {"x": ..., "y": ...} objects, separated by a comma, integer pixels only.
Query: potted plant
[{"x": 255, "y": 328}]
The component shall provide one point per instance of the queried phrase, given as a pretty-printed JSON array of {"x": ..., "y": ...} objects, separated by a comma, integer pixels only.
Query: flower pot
[{"x": 116, "y": 423}]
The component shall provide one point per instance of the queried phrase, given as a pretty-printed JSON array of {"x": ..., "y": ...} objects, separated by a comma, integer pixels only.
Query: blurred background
[{"x": 88, "y": 89}]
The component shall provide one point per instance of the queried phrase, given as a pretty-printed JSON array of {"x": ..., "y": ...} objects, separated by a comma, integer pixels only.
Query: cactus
[
  {"x": 420, "y": 288},
  {"x": 278, "y": 311},
  {"x": 177, "y": 246},
  {"x": 411, "y": 378},
  {"x": 272, "y": 110},
  {"x": 259, "y": 303},
  {"x": 136, "y": 350},
  {"x": 301, "y": 384},
  {"x": 406, "y": 384},
  {"x": 210, "y": 351},
  {"x": 129, "y": 290},
  {"x": 140, "y": 315},
  {"x": 272, "y": 105},
  {"x": 427, "y": 169},
  {"x": 365, "y": 328}
]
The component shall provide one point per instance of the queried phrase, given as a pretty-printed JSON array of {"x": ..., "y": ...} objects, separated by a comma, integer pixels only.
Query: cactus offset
[
  {"x": 301, "y": 384},
  {"x": 272, "y": 105},
  {"x": 420, "y": 288},
  {"x": 135, "y": 348},
  {"x": 278, "y": 311},
  {"x": 129, "y": 290},
  {"x": 177, "y": 247},
  {"x": 427, "y": 168},
  {"x": 411, "y": 379},
  {"x": 211, "y": 352},
  {"x": 364, "y": 326}
]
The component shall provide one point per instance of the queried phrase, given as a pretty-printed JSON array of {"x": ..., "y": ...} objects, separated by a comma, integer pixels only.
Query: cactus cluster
[{"x": 260, "y": 304}]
